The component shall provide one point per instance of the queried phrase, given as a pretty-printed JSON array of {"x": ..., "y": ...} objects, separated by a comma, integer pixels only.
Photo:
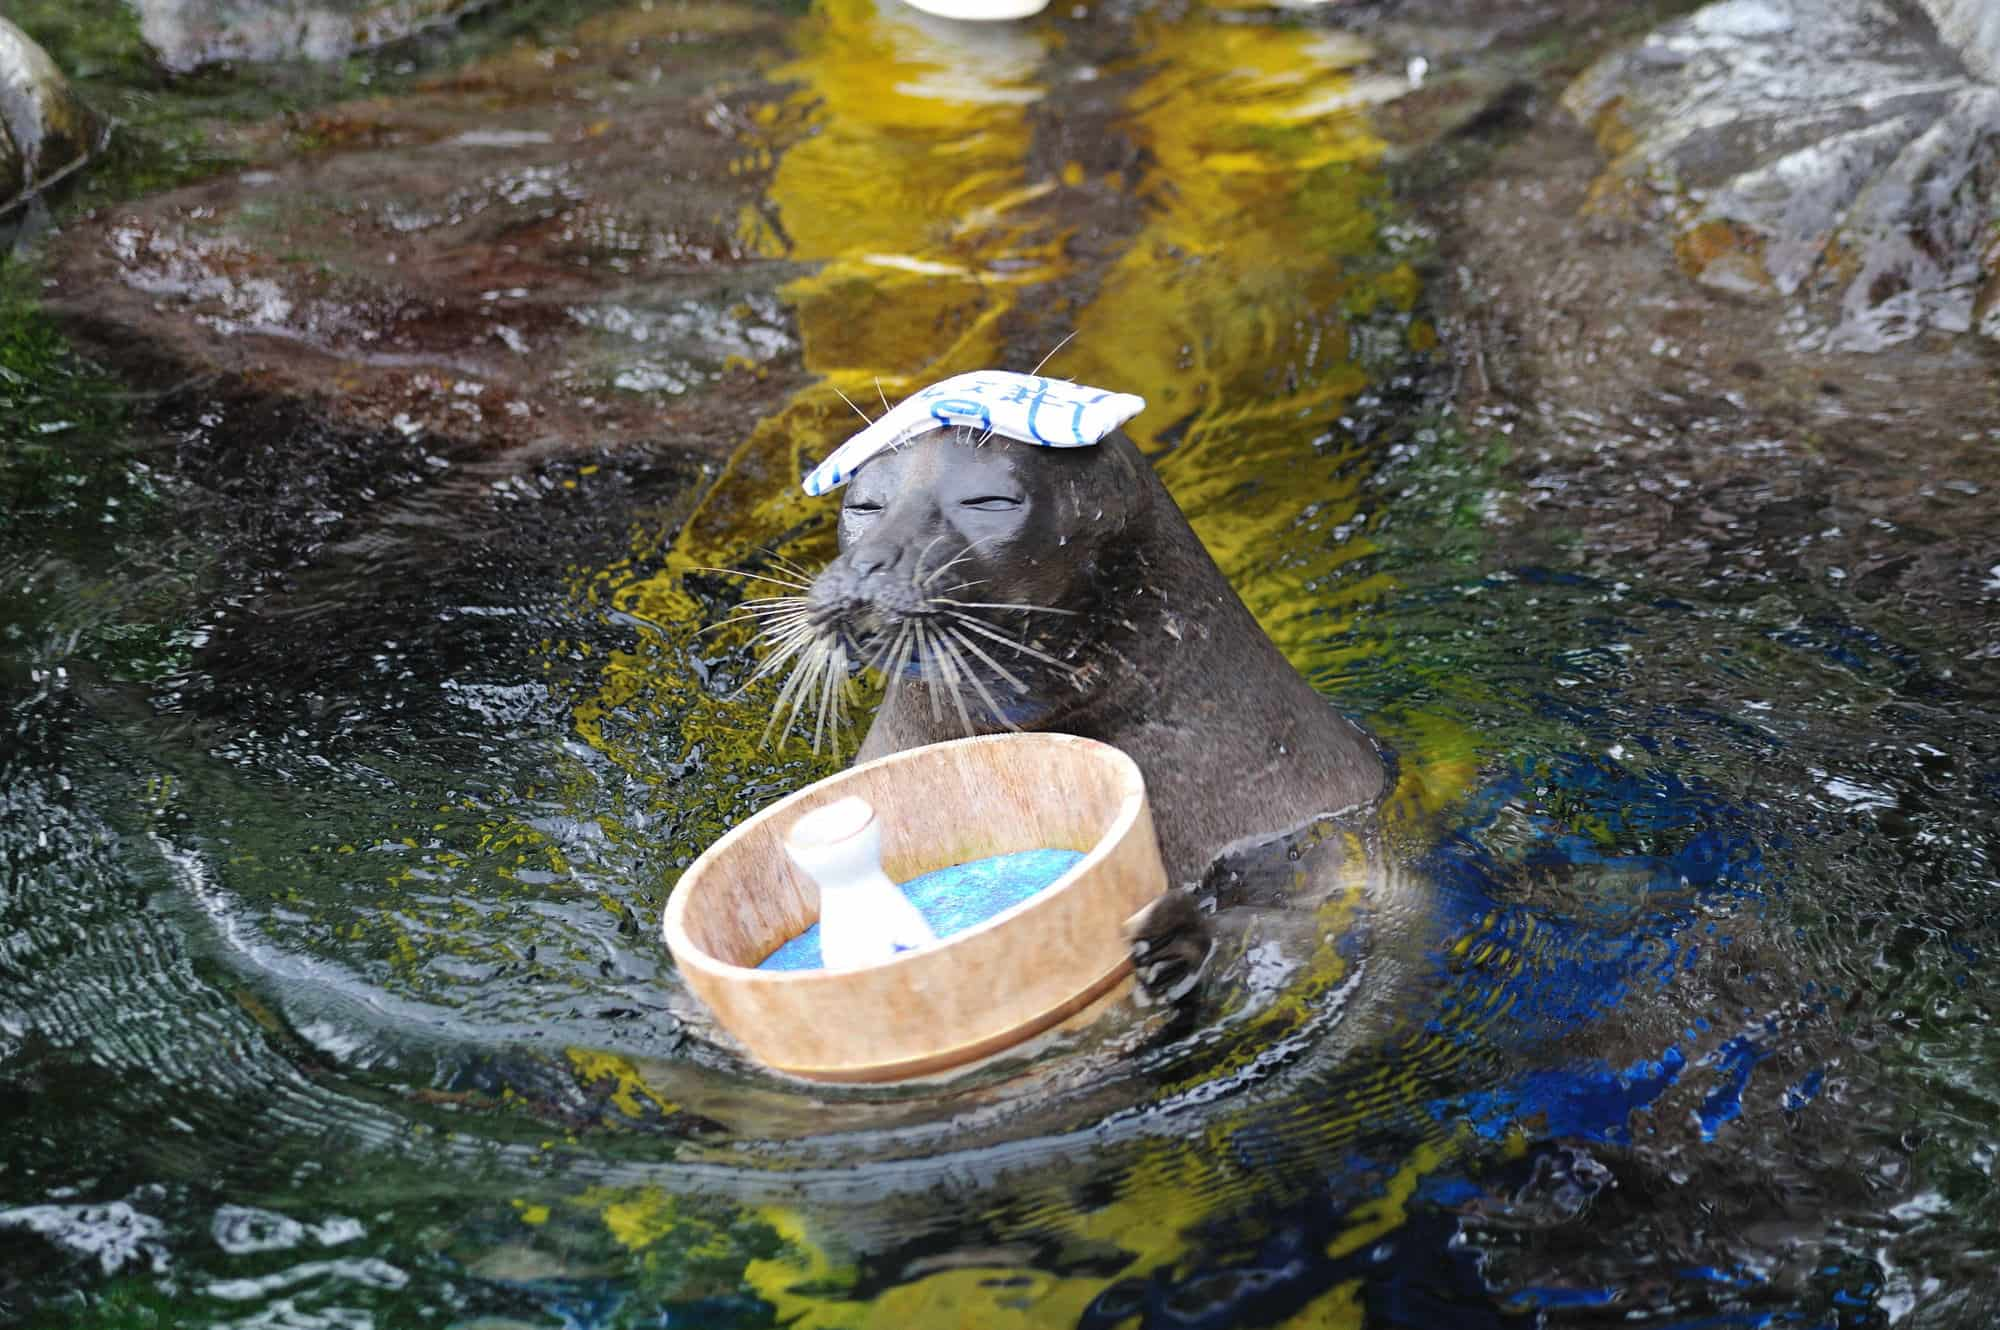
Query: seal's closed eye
[{"x": 991, "y": 503}]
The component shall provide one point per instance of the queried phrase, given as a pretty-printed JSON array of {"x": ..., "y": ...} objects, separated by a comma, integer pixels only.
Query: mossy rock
[{"x": 45, "y": 132}]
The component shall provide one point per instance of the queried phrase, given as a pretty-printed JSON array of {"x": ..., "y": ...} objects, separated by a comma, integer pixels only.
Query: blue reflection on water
[{"x": 1514, "y": 973}]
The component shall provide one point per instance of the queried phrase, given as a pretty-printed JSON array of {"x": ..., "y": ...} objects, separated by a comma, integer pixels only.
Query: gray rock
[
  {"x": 1973, "y": 28},
  {"x": 187, "y": 34},
  {"x": 45, "y": 132},
  {"x": 1833, "y": 154}
]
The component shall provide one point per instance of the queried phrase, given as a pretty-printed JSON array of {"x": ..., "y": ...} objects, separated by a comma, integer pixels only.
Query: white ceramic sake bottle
[
  {"x": 981, "y": 11},
  {"x": 864, "y": 918}
]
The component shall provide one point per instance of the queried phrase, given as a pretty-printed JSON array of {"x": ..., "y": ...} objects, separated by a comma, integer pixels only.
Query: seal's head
[
  {"x": 972, "y": 512},
  {"x": 968, "y": 568},
  {"x": 1016, "y": 580}
]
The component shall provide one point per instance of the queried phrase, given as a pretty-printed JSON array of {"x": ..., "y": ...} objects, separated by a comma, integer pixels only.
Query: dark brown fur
[{"x": 1159, "y": 655}]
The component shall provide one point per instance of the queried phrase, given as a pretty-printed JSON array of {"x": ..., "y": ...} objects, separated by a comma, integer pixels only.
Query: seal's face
[
  {"x": 981, "y": 508},
  {"x": 960, "y": 560}
]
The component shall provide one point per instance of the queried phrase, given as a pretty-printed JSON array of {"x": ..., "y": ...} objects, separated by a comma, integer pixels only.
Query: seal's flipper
[{"x": 1171, "y": 947}]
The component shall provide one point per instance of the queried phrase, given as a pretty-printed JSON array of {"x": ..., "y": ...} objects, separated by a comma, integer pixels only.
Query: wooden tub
[{"x": 979, "y": 991}]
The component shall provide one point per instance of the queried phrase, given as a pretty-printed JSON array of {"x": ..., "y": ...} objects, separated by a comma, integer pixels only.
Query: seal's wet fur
[{"x": 1148, "y": 647}]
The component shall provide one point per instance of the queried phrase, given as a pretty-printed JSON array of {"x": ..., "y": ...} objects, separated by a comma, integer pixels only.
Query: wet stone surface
[
  {"x": 545, "y": 252},
  {"x": 1836, "y": 158},
  {"x": 573, "y": 248},
  {"x": 1658, "y": 423}
]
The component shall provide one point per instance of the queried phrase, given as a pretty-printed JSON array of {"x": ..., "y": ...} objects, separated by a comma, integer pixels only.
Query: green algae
[
  {"x": 124, "y": 1304},
  {"x": 162, "y": 134},
  {"x": 47, "y": 391},
  {"x": 96, "y": 578},
  {"x": 94, "y": 41}
]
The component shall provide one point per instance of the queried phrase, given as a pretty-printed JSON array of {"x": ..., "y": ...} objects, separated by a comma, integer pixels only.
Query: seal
[{"x": 1002, "y": 586}]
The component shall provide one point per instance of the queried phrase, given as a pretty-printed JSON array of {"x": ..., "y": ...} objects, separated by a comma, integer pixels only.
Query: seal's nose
[{"x": 881, "y": 552}]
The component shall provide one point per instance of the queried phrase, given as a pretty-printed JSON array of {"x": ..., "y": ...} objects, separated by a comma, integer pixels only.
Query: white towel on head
[{"x": 1049, "y": 413}]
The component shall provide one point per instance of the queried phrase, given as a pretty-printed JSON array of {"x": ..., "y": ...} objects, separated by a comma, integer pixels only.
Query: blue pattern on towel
[
  {"x": 1050, "y": 413},
  {"x": 952, "y": 899}
]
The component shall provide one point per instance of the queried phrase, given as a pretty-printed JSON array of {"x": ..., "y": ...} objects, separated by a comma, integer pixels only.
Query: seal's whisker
[
  {"x": 793, "y": 682},
  {"x": 919, "y": 581},
  {"x": 805, "y": 585},
  {"x": 782, "y": 629},
  {"x": 786, "y": 637},
  {"x": 972, "y": 677},
  {"x": 786, "y": 565},
  {"x": 795, "y": 584},
  {"x": 879, "y": 393},
  {"x": 948, "y": 667},
  {"x": 781, "y": 622},
  {"x": 809, "y": 676},
  {"x": 819, "y": 670},
  {"x": 899, "y": 673},
  {"x": 857, "y": 411},
  {"x": 817, "y": 696},
  {"x": 794, "y": 657},
  {"x": 944, "y": 568},
  {"x": 789, "y": 693},
  {"x": 937, "y": 572},
  {"x": 790, "y": 645},
  {"x": 1052, "y": 351},
  {"x": 769, "y": 625},
  {"x": 898, "y": 656},
  {"x": 761, "y": 614},
  {"x": 927, "y": 656},
  {"x": 884, "y": 644},
  {"x": 766, "y": 617},
  {"x": 777, "y": 606},
  {"x": 988, "y": 631},
  {"x": 820, "y": 700},
  {"x": 832, "y": 705},
  {"x": 787, "y": 634},
  {"x": 888, "y": 646},
  {"x": 992, "y": 664},
  {"x": 1001, "y": 605},
  {"x": 929, "y": 671},
  {"x": 721, "y": 624}
]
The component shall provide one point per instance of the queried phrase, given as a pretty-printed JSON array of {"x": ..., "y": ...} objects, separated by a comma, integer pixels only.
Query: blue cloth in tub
[{"x": 952, "y": 899}]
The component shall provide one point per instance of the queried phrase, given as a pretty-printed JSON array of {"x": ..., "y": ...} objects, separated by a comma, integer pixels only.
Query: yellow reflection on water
[
  {"x": 1242, "y": 308},
  {"x": 1234, "y": 310},
  {"x": 903, "y": 176},
  {"x": 1239, "y": 303}
]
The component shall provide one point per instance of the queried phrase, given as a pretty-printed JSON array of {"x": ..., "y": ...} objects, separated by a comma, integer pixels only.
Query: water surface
[{"x": 349, "y": 767}]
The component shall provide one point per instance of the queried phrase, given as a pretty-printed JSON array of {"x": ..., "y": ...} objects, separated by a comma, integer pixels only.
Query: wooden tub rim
[{"x": 686, "y": 951}]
